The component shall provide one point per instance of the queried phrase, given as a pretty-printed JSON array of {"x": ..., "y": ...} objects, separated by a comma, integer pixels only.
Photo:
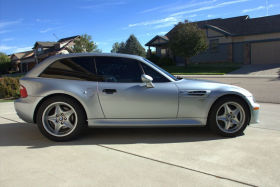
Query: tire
[
  {"x": 61, "y": 118},
  {"x": 229, "y": 116}
]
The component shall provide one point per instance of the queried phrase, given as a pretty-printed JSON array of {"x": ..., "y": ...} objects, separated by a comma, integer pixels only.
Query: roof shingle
[{"x": 244, "y": 25}]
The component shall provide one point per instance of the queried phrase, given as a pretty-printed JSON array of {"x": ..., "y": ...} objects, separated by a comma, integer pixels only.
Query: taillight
[{"x": 23, "y": 92}]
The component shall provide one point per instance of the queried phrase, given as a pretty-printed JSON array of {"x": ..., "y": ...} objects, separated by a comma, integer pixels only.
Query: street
[
  {"x": 264, "y": 89},
  {"x": 140, "y": 157}
]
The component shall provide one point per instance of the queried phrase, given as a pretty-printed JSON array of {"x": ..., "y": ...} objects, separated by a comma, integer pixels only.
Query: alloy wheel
[
  {"x": 59, "y": 119},
  {"x": 230, "y": 117}
]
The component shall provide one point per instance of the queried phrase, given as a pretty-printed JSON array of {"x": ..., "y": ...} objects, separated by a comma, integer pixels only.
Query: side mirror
[{"x": 148, "y": 80}]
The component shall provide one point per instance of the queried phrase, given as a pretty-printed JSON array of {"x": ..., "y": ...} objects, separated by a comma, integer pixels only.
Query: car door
[{"x": 122, "y": 94}]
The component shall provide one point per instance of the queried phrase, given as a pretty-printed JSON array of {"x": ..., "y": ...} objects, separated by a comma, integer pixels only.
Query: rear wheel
[
  {"x": 229, "y": 116},
  {"x": 61, "y": 118}
]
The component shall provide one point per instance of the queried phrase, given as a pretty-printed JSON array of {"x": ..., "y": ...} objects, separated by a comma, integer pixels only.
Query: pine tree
[{"x": 131, "y": 46}]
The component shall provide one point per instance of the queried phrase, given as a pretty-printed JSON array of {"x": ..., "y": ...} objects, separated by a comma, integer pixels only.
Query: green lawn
[
  {"x": 203, "y": 69},
  {"x": 6, "y": 100},
  {"x": 19, "y": 75}
]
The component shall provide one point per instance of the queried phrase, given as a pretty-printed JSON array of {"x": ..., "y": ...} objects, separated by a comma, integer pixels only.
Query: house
[
  {"x": 25, "y": 61},
  {"x": 238, "y": 39},
  {"x": 43, "y": 50}
]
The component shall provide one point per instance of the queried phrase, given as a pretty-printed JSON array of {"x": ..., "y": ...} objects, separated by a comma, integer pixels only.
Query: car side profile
[{"x": 65, "y": 94}]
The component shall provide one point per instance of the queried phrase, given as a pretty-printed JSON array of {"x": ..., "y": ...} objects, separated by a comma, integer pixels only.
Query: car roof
[
  {"x": 45, "y": 63},
  {"x": 56, "y": 57}
]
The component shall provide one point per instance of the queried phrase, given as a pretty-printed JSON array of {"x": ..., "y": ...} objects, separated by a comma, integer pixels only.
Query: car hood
[{"x": 205, "y": 85}]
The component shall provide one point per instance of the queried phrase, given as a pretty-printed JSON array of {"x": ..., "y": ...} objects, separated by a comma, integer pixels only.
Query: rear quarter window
[{"x": 78, "y": 68}]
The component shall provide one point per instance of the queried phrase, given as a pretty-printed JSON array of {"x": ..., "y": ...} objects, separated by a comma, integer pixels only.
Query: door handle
[{"x": 109, "y": 91}]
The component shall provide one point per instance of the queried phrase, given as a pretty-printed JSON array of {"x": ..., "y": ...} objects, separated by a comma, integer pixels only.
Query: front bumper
[
  {"x": 254, "y": 108},
  {"x": 25, "y": 107}
]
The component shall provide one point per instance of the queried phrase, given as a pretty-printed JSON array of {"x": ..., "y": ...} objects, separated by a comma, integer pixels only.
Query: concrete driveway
[
  {"x": 259, "y": 69},
  {"x": 140, "y": 157}
]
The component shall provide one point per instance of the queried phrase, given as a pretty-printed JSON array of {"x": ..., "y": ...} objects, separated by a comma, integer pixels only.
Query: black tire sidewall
[{"x": 81, "y": 123}]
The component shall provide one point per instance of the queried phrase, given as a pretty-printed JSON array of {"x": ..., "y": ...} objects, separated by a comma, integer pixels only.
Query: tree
[
  {"x": 187, "y": 40},
  {"x": 5, "y": 63},
  {"x": 122, "y": 48},
  {"x": 115, "y": 47},
  {"x": 84, "y": 44},
  {"x": 131, "y": 46}
]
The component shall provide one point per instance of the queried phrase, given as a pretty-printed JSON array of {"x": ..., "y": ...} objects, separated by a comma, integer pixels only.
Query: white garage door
[{"x": 265, "y": 53}]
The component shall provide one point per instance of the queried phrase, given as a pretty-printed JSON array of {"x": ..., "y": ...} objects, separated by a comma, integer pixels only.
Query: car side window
[
  {"x": 77, "y": 68},
  {"x": 117, "y": 69},
  {"x": 157, "y": 77}
]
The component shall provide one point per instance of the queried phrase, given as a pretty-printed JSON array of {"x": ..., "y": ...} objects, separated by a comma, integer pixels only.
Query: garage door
[{"x": 265, "y": 53}]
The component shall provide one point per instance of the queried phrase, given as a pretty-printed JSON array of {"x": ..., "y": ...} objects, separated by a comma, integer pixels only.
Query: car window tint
[
  {"x": 79, "y": 68},
  {"x": 115, "y": 69},
  {"x": 157, "y": 77}
]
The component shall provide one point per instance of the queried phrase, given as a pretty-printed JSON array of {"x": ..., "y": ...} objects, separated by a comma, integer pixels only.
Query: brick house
[{"x": 238, "y": 39}]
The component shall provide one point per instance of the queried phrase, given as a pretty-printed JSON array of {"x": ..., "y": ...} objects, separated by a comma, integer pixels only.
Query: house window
[
  {"x": 213, "y": 45},
  {"x": 39, "y": 50},
  {"x": 163, "y": 51}
]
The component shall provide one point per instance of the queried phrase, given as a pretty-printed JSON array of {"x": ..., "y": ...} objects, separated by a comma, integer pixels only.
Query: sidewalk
[{"x": 246, "y": 71}]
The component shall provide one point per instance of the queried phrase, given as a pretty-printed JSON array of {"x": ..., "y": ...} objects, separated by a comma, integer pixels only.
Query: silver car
[{"x": 67, "y": 93}]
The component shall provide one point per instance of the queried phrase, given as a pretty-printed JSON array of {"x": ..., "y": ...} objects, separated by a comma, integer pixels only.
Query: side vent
[{"x": 197, "y": 93}]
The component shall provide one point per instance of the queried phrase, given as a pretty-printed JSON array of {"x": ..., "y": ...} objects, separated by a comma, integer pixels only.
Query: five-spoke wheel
[
  {"x": 61, "y": 118},
  {"x": 229, "y": 116}
]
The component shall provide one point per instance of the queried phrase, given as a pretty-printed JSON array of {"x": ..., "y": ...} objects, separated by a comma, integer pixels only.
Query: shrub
[
  {"x": 9, "y": 87},
  {"x": 155, "y": 59},
  {"x": 166, "y": 61},
  {"x": 161, "y": 61},
  {"x": 5, "y": 63}
]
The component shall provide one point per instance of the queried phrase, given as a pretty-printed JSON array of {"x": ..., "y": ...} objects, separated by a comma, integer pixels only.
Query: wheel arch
[
  {"x": 230, "y": 95},
  {"x": 55, "y": 95}
]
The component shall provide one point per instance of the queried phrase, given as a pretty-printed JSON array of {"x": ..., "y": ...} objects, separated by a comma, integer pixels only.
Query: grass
[
  {"x": 203, "y": 69},
  {"x": 6, "y": 100},
  {"x": 16, "y": 75}
]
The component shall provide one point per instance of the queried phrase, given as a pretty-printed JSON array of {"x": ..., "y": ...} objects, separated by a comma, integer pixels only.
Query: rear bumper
[{"x": 25, "y": 107}]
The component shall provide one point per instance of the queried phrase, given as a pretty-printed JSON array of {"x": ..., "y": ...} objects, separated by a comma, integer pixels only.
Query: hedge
[
  {"x": 9, "y": 87},
  {"x": 162, "y": 61}
]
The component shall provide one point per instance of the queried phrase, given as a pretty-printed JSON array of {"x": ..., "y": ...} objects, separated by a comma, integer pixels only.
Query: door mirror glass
[{"x": 147, "y": 80}]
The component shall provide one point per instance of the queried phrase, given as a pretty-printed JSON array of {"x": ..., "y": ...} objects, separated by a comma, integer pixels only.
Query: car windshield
[{"x": 165, "y": 72}]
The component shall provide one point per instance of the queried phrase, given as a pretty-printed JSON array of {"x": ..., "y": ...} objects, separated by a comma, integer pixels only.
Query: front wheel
[
  {"x": 61, "y": 118},
  {"x": 229, "y": 116}
]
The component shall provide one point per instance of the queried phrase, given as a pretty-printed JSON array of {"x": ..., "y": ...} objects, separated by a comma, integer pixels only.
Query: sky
[{"x": 23, "y": 22}]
